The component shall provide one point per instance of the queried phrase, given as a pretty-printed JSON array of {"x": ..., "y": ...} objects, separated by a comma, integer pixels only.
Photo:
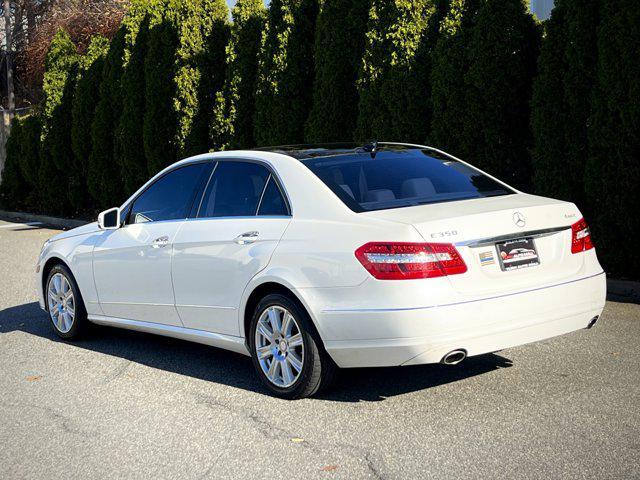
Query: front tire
[
  {"x": 286, "y": 350},
  {"x": 64, "y": 303}
]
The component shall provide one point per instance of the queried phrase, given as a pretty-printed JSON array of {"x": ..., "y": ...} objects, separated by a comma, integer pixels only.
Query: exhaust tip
[
  {"x": 454, "y": 357},
  {"x": 593, "y": 321}
]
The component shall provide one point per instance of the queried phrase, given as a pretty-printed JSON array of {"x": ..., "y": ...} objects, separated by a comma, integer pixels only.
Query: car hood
[{"x": 83, "y": 230}]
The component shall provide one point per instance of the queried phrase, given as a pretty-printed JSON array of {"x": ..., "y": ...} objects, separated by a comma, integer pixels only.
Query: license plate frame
[{"x": 517, "y": 254}]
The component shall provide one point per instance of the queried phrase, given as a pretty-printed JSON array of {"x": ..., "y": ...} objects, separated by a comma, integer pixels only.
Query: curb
[
  {"x": 62, "y": 223},
  {"x": 625, "y": 291}
]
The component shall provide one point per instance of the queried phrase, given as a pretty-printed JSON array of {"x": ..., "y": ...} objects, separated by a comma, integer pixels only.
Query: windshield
[{"x": 401, "y": 178}]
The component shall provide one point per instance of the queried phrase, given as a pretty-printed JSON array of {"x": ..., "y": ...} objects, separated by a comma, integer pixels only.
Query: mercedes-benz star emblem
[{"x": 519, "y": 220}]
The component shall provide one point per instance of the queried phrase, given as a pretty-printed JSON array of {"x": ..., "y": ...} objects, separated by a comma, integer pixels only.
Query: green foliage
[
  {"x": 393, "y": 82},
  {"x": 104, "y": 179},
  {"x": 61, "y": 65},
  {"x": 562, "y": 99},
  {"x": 129, "y": 141},
  {"x": 14, "y": 188},
  {"x": 481, "y": 82},
  {"x": 83, "y": 107},
  {"x": 234, "y": 107},
  {"x": 29, "y": 157},
  {"x": 339, "y": 47},
  {"x": 613, "y": 169},
  {"x": 202, "y": 66},
  {"x": 286, "y": 72},
  {"x": 160, "y": 121}
]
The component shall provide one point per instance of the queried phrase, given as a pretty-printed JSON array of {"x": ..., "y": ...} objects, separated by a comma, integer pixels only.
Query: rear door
[{"x": 242, "y": 216}]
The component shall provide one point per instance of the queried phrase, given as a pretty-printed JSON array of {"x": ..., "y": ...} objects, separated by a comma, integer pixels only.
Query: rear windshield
[{"x": 401, "y": 178}]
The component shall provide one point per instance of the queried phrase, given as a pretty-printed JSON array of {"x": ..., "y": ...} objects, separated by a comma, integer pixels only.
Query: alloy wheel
[
  {"x": 279, "y": 346},
  {"x": 62, "y": 303}
]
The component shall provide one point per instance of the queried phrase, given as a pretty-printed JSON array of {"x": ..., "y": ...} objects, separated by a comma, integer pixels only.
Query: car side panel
[{"x": 76, "y": 252}]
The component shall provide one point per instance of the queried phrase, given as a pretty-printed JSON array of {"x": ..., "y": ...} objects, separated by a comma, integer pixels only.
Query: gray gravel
[{"x": 127, "y": 405}]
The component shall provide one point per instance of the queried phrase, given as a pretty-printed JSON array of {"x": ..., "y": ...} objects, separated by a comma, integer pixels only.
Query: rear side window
[
  {"x": 234, "y": 190},
  {"x": 272, "y": 201},
  {"x": 170, "y": 197},
  {"x": 395, "y": 179}
]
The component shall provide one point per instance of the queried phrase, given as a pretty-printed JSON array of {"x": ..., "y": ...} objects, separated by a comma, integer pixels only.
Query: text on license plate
[{"x": 516, "y": 254}]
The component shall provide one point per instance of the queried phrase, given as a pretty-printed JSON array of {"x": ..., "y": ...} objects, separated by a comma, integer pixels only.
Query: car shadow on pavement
[{"x": 228, "y": 368}]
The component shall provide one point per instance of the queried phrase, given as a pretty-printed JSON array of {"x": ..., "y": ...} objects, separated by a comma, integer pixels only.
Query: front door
[{"x": 132, "y": 265}]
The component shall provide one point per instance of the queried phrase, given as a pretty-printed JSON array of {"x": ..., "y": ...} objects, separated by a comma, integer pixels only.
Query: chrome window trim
[
  {"x": 129, "y": 205},
  {"x": 264, "y": 189},
  {"x": 272, "y": 174}
]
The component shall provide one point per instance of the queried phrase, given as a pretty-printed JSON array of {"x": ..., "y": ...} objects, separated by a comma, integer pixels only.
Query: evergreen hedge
[
  {"x": 562, "y": 99},
  {"x": 129, "y": 140},
  {"x": 339, "y": 47},
  {"x": 61, "y": 64},
  {"x": 160, "y": 121},
  {"x": 83, "y": 107},
  {"x": 482, "y": 85},
  {"x": 203, "y": 34},
  {"x": 234, "y": 107},
  {"x": 14, "y": 188},
  {"x": 285, "y": 76},
  {"x": 467, "y": 76},
  {"x": 29, "y": 157},
  {"x": 612, "y": 176},
  {"x": 104, "y": 177},
  {"x": 393, "y": 84}
]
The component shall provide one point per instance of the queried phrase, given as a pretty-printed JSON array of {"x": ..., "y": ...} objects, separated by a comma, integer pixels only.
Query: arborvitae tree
[
  {"x": 562, "y": 98},
  {"x": 234, "y": 108},
  {"x": 14, "y": 188},
  {"x": 30, "y": 141},
  {"x": 284, "y": 92},
  {"x": 613, "y": 167},
  {"x": 200, "y": 77},
  {"x": 159, "y": 128},
  {"x": 340, "y": 42},
  {"x": 61, "y": 65},
  {"x": 448, "y": 68},
  {"x": 129, "y": 141},
  {"x": 496, "y": 58},
  {"x": 104, "y": 177},
  {"x": 394, "y": 78},
  {"x": 83, "y": 108}
]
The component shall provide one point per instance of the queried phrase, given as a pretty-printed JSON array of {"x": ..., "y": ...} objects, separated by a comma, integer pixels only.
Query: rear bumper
[{"x": 477, "y": 326}]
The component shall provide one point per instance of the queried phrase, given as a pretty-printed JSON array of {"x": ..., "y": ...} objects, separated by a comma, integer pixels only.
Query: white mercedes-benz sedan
[{"x": 309, "y": 258}]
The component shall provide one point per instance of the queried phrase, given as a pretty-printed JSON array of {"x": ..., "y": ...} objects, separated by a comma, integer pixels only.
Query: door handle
[
  {"x": 160, "y": 242},
  {"x": 246, "y": 238}
]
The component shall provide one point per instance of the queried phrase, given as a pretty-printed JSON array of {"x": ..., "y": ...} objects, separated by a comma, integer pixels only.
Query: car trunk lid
[{"x": 477, "y": 226}]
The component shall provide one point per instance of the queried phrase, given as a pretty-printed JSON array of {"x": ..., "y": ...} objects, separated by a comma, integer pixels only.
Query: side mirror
[{"x": 109, "y": 219}]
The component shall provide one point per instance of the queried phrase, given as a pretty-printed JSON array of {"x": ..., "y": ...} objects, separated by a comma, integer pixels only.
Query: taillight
[
  {"x": 405, "y": 261},
  {"x": 580, "y": 237}
]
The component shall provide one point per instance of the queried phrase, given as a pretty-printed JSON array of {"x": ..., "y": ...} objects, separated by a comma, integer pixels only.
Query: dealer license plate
[{"x": 517, "y": 254}]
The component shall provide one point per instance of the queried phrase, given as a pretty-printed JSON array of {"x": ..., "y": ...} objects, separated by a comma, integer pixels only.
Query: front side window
[
  {"x": 170, "y": 197},
  {"x": 234, "y": 190},
  {"x": 401, "y": 178}
]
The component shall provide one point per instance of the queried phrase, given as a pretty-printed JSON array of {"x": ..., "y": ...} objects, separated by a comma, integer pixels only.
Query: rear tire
[
  {"x": 65, "y": 306},
  {"x": 294, "y": 341}
]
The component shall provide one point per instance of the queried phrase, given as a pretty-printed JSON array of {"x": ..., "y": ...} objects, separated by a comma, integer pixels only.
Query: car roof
[{"x": 320, "y": 150}]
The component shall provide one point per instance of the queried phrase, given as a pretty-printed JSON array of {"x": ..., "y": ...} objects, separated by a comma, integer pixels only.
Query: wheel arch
[
  {"x": 264, "y": 288},
  {"x": 49, "y": 264}
]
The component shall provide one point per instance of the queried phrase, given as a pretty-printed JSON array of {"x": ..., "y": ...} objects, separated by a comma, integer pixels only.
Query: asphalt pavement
[{"x": 122, "y": 404}]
